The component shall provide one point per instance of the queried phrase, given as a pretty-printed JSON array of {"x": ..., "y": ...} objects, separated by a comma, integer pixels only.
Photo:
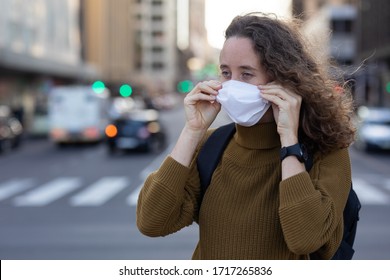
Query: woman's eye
[
  {"x": 225, "y": 74},
  {"x": 247, "y": 75}
]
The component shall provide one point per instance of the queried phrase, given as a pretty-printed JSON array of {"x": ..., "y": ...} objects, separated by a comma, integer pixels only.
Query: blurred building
[
  {"x": 374, "y": 52},
  {"x": 39, "y": 46},
  {"x": 155, "y": 45},
  {"x": 355, "y": 33},
  {"x": 107, "y": 40},
  {"x": 144, "y": 43},
  {"x": 198, "y": 55},
  {"x": 331, "y": 26}
]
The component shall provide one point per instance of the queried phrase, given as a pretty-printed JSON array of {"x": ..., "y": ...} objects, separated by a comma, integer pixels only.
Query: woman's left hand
[{"x": 286, "y": 106}]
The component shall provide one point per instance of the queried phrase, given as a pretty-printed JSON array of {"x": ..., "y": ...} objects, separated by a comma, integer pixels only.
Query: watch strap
[{"x": 296, "y": 150}]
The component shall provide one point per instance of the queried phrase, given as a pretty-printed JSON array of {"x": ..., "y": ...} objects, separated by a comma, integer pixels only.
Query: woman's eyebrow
[
  {"x": 223, "y": 66},
  {"x": 248, "y": 67},
  {"x": 244, "y": 67}
]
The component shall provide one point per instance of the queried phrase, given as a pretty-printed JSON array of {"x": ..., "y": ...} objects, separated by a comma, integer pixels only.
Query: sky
[{"x": 219, "y": 14}]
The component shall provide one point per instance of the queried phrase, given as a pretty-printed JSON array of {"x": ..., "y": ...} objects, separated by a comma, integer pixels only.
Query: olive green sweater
[{"x": 247, "y": 211}]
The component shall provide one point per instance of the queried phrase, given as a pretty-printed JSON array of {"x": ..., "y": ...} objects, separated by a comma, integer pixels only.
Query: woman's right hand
[{"x": 201, "y": 107}]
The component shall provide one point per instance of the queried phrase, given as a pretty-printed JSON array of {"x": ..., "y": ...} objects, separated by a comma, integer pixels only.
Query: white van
[{"x": 77, "y": 114}]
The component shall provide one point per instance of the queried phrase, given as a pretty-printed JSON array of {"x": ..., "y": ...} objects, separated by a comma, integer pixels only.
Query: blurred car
[
  {"x": 39, "y": 126},
  {"x": 77, "y": 114},
  {"x": 373, "y": 128},
  {"x": 11, "y": 130},
  {"x": 140, "y": 129}
]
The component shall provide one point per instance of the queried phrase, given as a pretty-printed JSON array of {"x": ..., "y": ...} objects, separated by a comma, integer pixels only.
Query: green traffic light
[
  {"x": 125, "y": 90},
  {"x": 388, "y": 87},
  {"x": 185, "y": 86},
  {"x": 98, "y": 87}
]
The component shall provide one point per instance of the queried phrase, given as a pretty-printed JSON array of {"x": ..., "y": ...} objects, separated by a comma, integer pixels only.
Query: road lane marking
[
  {"x": 14, "y": 186},
  {"x": 106, "y": 188},
  {"x": 368, "y": 194},
  {"x": 100, "y": 192},
  {"x": 48, "y": 192},
  {"x": 387, "y": 184},
  {"x": 133, "y": 197}
]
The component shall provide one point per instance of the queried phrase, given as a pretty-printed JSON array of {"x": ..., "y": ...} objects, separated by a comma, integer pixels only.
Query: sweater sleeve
[
  {"x": 311, "y": 207},
  {"x": 168, "y": 200}
]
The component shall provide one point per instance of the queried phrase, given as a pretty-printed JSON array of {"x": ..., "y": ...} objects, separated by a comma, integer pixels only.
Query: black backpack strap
[
  {"x": 211, "y": 152},
  {"x": 351, "y": 218}
]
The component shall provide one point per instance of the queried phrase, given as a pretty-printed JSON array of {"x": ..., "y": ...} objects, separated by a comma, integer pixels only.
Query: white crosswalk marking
[
  {"x": 100, "y": 192},
  {"x": 14, "y": 186},
  {"x": 368, "y": 194},
  {"x": 49, "y": 192},
  {"x": 21, "y": 192},
  {"x": 132, "y": 199}
]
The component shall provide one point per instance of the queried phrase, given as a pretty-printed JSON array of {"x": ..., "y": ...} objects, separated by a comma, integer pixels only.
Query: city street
[{"x": 79, "y": 203}]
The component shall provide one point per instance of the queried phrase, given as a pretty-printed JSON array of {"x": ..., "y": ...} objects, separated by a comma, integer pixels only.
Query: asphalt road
[{"x": 55, "y": 203}]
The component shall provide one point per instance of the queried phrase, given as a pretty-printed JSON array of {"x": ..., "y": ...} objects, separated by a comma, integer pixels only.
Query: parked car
[
  {"x": 373, "y": 128},
  {"x": 11, "y": 130},
  {"x": 140, "y": 129}
]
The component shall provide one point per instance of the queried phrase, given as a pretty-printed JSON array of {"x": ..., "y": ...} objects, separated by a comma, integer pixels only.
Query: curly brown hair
[{"x": 327, "y": 106}]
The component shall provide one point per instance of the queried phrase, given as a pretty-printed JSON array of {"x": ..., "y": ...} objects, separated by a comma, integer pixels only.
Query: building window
[
  {"x": 157, "y": 65},
  {"x": 157, "y": 2},
  {"x": 157, "y": 49},
  {"x": 158, "y": 35},
  {"x": 138, "y": 50},
  {"x": 157, "y": 18},
  {"x": 341, "y": 25}
]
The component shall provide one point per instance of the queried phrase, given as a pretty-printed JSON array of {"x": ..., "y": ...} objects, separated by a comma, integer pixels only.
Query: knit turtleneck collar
[{"x": 259, "y": 136}]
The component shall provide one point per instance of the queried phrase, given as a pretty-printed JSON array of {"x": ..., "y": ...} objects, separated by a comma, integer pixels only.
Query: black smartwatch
[{"x": 296, "y": 150}]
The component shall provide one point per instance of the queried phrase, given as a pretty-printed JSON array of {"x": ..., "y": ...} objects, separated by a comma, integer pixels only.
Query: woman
[{"x": 260, "y": 204}]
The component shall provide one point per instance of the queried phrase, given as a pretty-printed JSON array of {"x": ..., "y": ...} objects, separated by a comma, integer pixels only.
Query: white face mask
[{"x": 242, "y": 102}]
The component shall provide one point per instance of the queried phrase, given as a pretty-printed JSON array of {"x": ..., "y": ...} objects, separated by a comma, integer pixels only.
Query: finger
[
  {"x": 284, "y": 105},
  {"x": 274, "y": 99},
  {"x": 197, "y": 96},
  {"x": 209, "y": 87},
  {"x": 200, "y": 97},
  {"x": 282, "y": 93},
  {"x": 279, "y": 90},
  {"x": 215, "y": 84},
  {"x": 282, "y": 100}
]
